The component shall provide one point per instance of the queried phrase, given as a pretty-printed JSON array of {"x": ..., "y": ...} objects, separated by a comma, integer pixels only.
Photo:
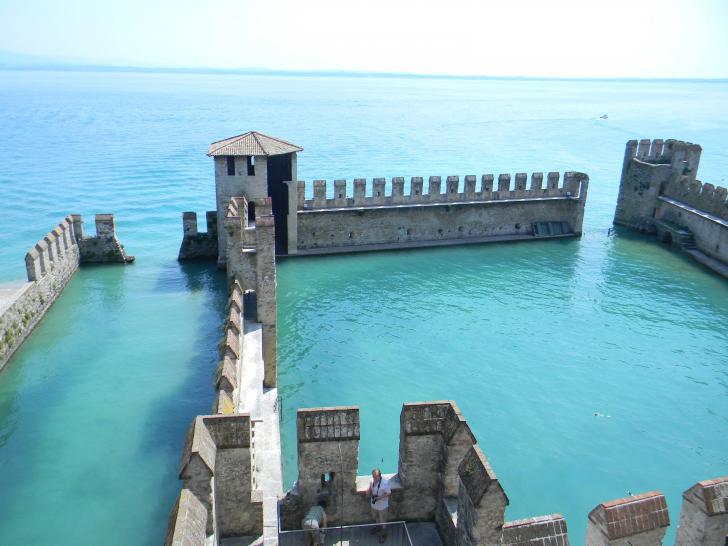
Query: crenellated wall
[
  {"x": 640, "y": 520},
  {"x": 227, "y": 382},
  {"x": 231, "y": 470},
  {"x": 50, "y": 264},
  {"x": 104, "y": 247},
  {"x": 659, "y": 193},
  {"x": 444, "y": 477},
  {"x": 251, "y": 262},
  {"x": 445, "y": 212},
  {"x": 198, "y": 245},
  {"x": 217, "y": 482},
  {"x": 704, "y": 515},
  {"x": 451, "y": 190}
]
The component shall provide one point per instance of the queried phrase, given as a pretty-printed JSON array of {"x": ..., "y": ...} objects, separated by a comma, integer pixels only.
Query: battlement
[
  {"x": 49, "y": 266},
  {"x": 700, "y": 195},
  {"x": 659, "y": 188},
  {"x": 362, "y": 194},
  {"x": 216, "y": 472},
  {"x": 434, "y": 437},
  {"x": 251, "y": 264},
  {"x": 677, "y": 153},
  {"x": 229, "y": 370},
  {"x": 105, "y": 247},
  {"x": 327, "y": 424},
  {"x": 65, "y": 247},
  {"x": 198, "y": 245},
  {"x": 53, "y": 250},
  {"x": 644, "y": 515},
  {"x": 544, "y": 530},
  {"x": 449, "y": 211},
  {"x": 704, "y": 515}
]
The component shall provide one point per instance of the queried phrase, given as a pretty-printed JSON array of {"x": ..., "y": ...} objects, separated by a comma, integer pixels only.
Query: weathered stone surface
[
  {"x": 50, "y": 264},
  {"x": 537, "y": 531},
  {"x": 216, "y": 469},
  {"x": 704, "y": 514},
  {"x": 481, "y": 501},
  {"x": 196, "y": 245},
  {"x": 105, "y": 247},
  {"x": 187, "y": 522},
  {"x": 226, "y": 378},
  {"x": 643, "y": 519},
  {"x": 434, "y": 217},
  {"x": 659, "y": 186}
]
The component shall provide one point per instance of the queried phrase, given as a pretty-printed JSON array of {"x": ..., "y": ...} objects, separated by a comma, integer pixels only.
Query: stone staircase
[{"x": 686, "y": 240}]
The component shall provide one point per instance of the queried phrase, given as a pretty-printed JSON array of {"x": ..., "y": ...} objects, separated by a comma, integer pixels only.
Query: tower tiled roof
[{"x": 252, "y": 143}]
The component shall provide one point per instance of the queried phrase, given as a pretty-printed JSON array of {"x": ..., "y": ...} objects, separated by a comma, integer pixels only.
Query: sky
[{"x": 538, "y": 38}]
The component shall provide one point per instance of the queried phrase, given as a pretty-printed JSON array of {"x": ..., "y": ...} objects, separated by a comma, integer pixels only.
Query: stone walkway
[
  {"x": 9, "y": 293},
  {"x": 262, "y": 405}
]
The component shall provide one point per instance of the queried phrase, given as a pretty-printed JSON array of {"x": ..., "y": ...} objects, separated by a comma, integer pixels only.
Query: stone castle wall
[
  {"x": 226, "y": 476},
  {"x": 198, "y": 245},
  {"x": 50, "y": 264},
  {"x": 496, "y": 209},
  {"x": 443, "y": 476},
  {"x": 659, "y": 193}
]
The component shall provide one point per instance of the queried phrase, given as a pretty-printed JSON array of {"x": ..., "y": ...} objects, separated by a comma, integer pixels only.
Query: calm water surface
[{"x": 587, "y": 368}]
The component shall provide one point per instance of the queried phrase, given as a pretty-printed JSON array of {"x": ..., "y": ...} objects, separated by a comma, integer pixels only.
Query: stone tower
[{"x": 254, "y": 165}]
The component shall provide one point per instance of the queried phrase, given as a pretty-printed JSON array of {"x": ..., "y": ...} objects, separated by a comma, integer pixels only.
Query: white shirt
[{"x": 378, "y": 491}]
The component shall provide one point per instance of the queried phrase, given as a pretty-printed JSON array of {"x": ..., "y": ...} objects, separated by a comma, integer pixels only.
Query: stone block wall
[
  {"x": 640, "y": 520},
  {"x": 198, "y": 245},
  {"x": 328, "y": 458},
  {"x": 229, "y": 370},
  {"x": 251, "y": 263},
  {"x": 216, "y": 471},
  {"x": 187, "y": 521},
  {"x": 573, "y": 184},
  {"x": 481, "y": 501},
  {"x": 659, "y": 192},
  {"x": 421, "y": 218},
  {"x": 540, "y": 531},
  {"x": 50, "y": 264},
  {"x": 105, "y": 247},
  {"x": 704, "y": 515}
]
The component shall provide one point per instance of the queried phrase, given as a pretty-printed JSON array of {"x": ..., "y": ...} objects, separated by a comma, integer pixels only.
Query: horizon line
[{"x": 78, "y": 67}]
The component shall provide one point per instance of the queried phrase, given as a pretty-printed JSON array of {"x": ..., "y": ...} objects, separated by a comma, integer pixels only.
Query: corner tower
[{"x": 256, "y": 166}]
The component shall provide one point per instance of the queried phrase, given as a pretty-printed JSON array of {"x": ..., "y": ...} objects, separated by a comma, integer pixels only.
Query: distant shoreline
[{"x": 326, "y": 73}]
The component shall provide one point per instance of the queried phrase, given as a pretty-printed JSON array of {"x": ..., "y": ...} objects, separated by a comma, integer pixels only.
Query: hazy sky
[{"x": 635, "y": 38}]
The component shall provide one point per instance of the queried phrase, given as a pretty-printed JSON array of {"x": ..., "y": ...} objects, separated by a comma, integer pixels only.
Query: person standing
[
  {"x": 314, "y": 524},
  {"x": 379, "y": 492}
]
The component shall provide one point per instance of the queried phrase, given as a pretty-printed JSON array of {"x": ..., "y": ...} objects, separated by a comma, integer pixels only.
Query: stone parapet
[
  {"x": 357, "y": 195},
  {"x": 538, "y": 531},
  {"x": 659, "y": 187},
  {"x": 216, "y": 470},
  {"x": 199, "y": 245},
  {"x": 49, "y": 265},
  {"x": 704, "y": 514},
  {"x": 105, "y": 247},
  {"x": 641, "y": 518},
  {"x": 327, "y": 424},
  {"x": 187, "y": 521}
]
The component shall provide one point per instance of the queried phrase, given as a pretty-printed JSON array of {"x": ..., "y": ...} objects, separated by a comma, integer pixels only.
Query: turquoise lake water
[{"x": 587, "y": 368}]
